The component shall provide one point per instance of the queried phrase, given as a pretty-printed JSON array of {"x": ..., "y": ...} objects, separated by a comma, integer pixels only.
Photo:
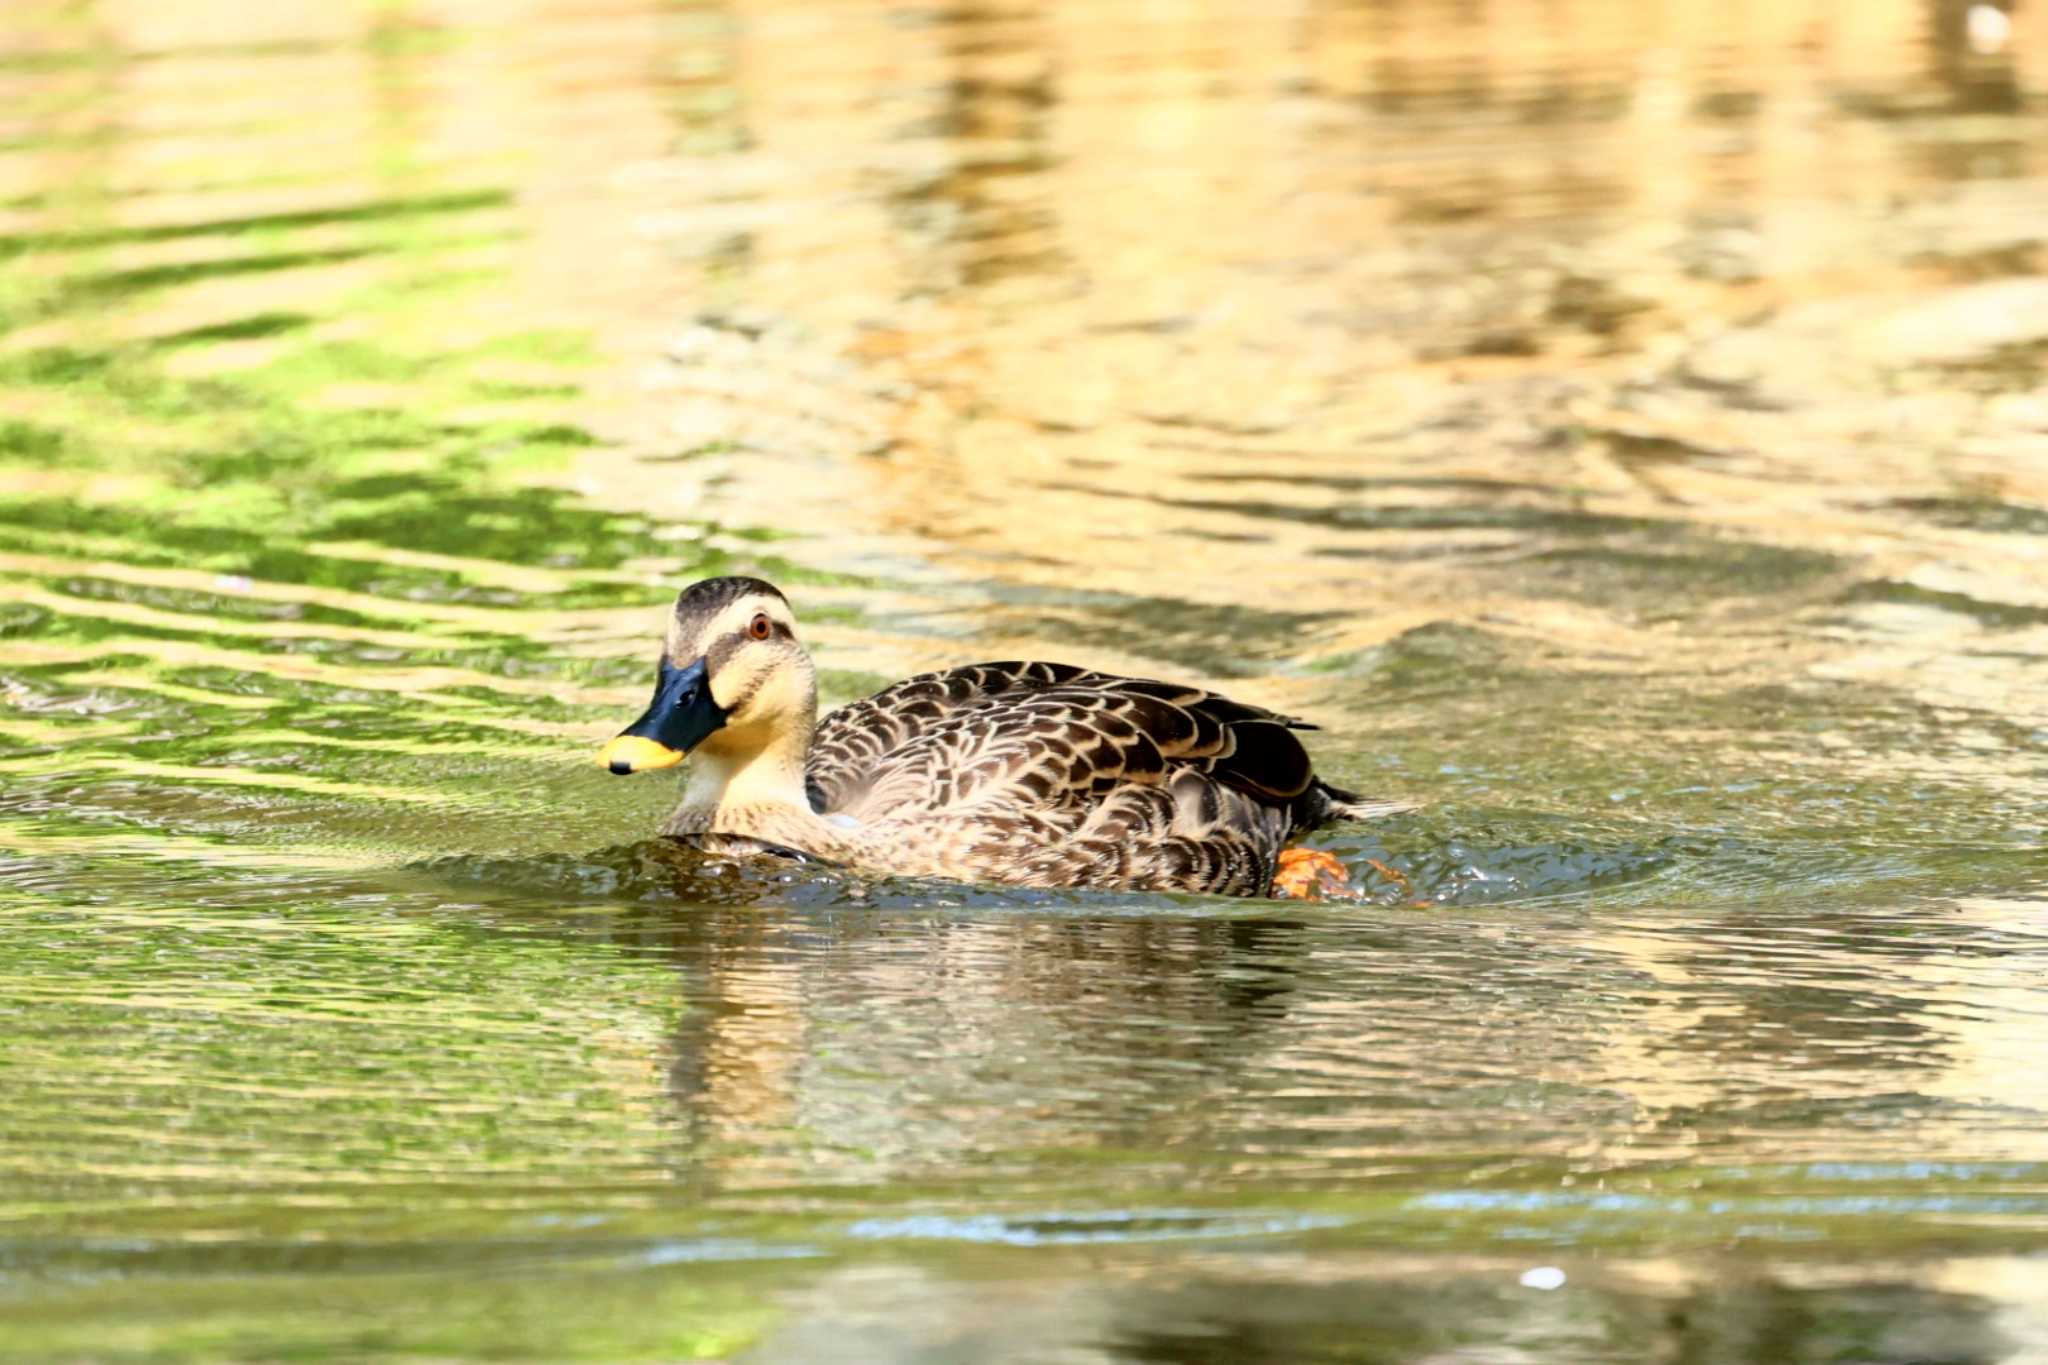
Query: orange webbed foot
[{"x": 1309, "y": 874}]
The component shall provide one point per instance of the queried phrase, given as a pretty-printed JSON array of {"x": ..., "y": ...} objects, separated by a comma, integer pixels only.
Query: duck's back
[{"x": 1047, "y": 774}]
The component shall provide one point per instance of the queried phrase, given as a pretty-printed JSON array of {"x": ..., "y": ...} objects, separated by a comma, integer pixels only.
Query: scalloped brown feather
[{"x": 1045, "y": 774}]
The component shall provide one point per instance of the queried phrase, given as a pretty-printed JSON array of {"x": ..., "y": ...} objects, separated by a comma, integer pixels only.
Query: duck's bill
[
  {"x": 636, "y": 754},
  {"x": 678, "y": 720}
]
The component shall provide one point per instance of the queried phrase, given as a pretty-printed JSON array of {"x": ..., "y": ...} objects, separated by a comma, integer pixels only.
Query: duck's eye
[{"x": 760, "y": 627}]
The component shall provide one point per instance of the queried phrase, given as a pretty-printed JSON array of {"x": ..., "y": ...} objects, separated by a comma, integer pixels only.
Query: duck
[{"x": 1021, "y": 773}]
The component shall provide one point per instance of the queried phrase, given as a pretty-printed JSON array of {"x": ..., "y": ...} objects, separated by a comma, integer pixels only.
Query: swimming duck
[{"x": 1031, "y": 774}]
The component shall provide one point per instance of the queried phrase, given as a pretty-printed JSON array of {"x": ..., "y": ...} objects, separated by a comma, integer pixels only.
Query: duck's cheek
[{"x": 738, "y": 689}]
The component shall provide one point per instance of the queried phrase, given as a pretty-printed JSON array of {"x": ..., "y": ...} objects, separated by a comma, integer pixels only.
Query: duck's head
[{"x": 731, "y": 677}]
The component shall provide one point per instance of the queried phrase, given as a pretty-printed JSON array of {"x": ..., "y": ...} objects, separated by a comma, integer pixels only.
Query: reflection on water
[{"x": 1624, "y": 427}]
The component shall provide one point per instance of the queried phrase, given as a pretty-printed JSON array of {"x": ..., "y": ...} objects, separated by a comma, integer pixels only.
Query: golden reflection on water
[{"x": 1060, "y": 296}]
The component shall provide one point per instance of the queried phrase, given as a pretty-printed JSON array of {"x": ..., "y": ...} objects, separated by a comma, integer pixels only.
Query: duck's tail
[{"x": 1326, "y": 805}]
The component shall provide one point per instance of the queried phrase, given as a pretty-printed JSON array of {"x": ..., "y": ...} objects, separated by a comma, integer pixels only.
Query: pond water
[{"x": 1623, "y": 427}]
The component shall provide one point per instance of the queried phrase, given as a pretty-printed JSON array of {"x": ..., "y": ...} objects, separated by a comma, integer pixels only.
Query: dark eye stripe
[{"x": 721, "y": 650}]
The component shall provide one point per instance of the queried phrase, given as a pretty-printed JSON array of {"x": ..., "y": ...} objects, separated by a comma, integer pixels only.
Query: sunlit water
[{"x": 1623, "y": 427}]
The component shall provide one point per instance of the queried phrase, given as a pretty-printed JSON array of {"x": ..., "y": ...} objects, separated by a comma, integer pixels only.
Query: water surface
[{"x": 1623, "y": 428}]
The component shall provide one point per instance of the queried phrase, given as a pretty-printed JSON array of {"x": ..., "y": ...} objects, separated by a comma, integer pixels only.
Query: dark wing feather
[
  {"x": 1264, "y": 760},
  {"x": 852, "y": 740},
  {"x": 1221, "y": 707},
  {"x": 985, "y": 713},
  {"x": 1049, "y": 751},
  {"x": 1052, "y": 775},
  {"x": 1244, "y": 747}
]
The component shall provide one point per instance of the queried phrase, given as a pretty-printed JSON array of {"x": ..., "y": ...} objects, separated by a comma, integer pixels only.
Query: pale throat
[{"x": 738, "y": 780}]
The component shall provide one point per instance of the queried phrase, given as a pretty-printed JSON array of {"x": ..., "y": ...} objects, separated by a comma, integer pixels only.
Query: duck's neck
[{"x": 752, "y": 786}]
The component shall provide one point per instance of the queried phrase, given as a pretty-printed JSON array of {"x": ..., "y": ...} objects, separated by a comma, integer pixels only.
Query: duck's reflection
[
  {"x": 1746, "y": 1319},
  {"x": 837, "y": 1032},
  {"x": 852, "y": 1038},
  {"x": 1293, "y": 1311}
]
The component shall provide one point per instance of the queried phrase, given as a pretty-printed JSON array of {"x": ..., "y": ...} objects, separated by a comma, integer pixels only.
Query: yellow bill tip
[{"x": 635, "y": 754}]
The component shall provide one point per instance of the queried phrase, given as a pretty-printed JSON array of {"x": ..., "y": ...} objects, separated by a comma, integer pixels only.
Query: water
[{"x": 1625, "y": 428}]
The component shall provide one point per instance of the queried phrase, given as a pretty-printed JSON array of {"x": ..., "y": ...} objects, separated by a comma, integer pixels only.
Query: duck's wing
[
  {"x": 1116, "y": 783},
  {"x": 1051, "y": 775},
  {"x": 853, "y": 741},
  {"x": 1045, "y": 736}
]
